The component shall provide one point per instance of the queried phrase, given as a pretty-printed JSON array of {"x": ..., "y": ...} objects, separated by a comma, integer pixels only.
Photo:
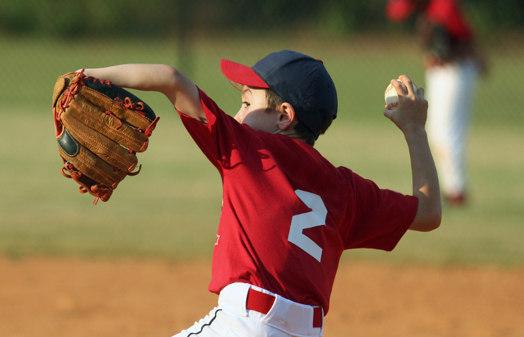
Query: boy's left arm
[{"x": 179, "y": 89}]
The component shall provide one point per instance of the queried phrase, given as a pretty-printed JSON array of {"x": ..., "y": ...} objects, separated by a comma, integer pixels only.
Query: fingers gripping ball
[
  {"x": 99, "y": 127},
  {"x": 391, "y": 96}
]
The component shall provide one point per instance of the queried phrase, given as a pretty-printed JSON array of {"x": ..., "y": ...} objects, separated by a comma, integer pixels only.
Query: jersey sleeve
[
  {"x": 378, "y": 218},
  {"x": 221, "y": 139}
]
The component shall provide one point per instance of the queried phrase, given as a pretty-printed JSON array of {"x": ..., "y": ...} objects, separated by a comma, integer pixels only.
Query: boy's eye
[{"x": 246, "y": 103}]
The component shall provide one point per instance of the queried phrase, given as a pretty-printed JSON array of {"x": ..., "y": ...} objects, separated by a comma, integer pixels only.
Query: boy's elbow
[
  {"x": 168, "y": 75},
  {"x": 432, "y": 223},
  {"x": 173, "y": 80},
  {"x": 427, "y": 222}
]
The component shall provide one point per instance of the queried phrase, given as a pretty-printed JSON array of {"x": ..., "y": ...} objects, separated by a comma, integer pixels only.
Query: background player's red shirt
[
  {"x": 443, "y": 12},
  {"x": 288, "y": 213}
]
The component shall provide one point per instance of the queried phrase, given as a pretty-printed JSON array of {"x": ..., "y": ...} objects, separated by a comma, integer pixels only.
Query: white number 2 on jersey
[{"x": 317, "y": 217}]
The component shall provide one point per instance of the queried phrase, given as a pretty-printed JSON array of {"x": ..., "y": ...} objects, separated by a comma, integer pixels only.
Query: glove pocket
[
  {"x": 100, "y": 145},
  {"x": 128, "y": 108},
  {"x": 108, "y": 124}
]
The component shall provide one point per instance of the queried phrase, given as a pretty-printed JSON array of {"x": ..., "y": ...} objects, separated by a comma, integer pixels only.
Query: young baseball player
[{"x": 288, "y": 213}]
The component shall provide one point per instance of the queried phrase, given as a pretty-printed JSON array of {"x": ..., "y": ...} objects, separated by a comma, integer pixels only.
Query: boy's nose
[{"x": 239, "y": 116}]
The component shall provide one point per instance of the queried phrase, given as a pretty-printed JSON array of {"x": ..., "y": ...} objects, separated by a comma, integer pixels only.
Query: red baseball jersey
[{"x": 288, "y": 213}]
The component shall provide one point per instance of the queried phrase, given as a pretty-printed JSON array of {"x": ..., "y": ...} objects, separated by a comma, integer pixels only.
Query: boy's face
[{"x": 253, "y": 111}]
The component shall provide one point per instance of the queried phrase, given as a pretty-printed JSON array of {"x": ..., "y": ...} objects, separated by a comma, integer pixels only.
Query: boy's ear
[{"x": 286, "y": 117}]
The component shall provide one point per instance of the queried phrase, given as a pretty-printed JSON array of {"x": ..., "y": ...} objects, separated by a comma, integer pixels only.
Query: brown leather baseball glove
[{"x": 99, "y": 127}]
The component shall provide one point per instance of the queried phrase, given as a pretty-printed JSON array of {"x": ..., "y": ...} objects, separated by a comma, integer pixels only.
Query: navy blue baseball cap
[{"x": 298, "y": 79}]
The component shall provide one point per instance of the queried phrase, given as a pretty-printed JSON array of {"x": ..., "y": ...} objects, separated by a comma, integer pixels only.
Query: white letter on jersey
[{"x": 317, "y": 217}]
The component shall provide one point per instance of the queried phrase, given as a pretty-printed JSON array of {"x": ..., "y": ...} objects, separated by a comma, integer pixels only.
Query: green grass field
[{"x": 171, "y": 209}]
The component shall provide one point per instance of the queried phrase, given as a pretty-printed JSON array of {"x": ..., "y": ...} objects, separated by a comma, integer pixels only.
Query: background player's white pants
[
  {"x": 232, "y": 319},
  {"x": 449, "y": 91}
]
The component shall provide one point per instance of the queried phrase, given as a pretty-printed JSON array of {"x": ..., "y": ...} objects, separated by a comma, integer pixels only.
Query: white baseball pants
[
  {"x": 449, "y": 90},
  {"x": 232, "y": 318}
]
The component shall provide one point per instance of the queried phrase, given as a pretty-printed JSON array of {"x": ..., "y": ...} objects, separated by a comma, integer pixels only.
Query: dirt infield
[{"x": 76, "y": 298}]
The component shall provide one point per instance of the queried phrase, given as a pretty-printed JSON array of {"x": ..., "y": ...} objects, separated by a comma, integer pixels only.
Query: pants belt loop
[{"x": 318, "y": 317}]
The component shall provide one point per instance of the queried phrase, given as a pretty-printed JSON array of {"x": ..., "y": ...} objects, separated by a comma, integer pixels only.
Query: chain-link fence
[
  {"x": 178, "y": 193},
  {"x": 41, "y": 40}
]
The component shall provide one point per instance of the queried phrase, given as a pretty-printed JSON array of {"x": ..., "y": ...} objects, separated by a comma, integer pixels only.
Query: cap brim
[{"x": 239, "y": 75}]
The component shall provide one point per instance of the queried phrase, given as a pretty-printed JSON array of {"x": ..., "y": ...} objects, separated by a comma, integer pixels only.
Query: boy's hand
[{"x": 412, "y": 108}]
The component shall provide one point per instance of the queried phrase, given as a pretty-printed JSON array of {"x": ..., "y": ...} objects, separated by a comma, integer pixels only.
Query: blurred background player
[{"x": 452, "y": 64}]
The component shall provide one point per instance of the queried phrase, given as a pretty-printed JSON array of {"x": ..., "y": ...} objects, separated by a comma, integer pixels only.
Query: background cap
[{"x": 297, "y": 78}]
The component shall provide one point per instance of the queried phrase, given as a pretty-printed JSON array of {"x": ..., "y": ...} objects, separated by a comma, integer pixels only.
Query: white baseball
[{"x": 391, "y": 96}]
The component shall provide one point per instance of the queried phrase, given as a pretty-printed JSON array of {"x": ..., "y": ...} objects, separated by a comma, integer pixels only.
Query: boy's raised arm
[
  {"x": 179, "y": 89},
  {"x": 410, "y": 117}
]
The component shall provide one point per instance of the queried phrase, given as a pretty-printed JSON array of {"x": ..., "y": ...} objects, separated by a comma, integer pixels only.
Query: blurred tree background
[
  {"x": 135, "y": 18},
  {"x": 41, "y": 39}
]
